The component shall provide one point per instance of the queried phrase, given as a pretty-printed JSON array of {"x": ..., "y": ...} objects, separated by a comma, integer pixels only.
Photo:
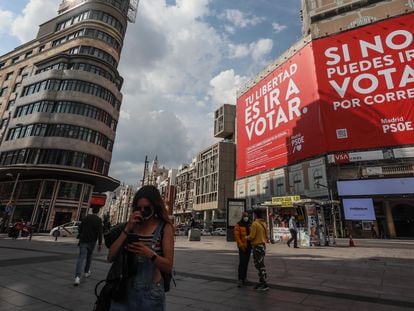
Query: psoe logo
[
  {"x": 297, "y": 142},
  {"x": 395, "y": 125}
]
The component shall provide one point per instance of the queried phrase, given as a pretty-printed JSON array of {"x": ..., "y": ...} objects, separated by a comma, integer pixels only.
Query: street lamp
[
  {"x": 12, "y": 194},
  {"x": 318, "y": 184}
]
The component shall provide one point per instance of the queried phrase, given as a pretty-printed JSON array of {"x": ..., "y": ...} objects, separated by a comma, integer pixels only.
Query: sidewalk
[{"x": 376, "y": 275}]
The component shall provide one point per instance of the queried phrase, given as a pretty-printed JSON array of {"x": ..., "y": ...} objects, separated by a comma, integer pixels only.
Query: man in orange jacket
[{"x": 241, "y": 230}]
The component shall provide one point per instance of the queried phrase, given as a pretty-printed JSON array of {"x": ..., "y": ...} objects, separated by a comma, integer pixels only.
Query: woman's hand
[
  {"x": 134, "y": 219},
  {"x": 140, "y": 249}
]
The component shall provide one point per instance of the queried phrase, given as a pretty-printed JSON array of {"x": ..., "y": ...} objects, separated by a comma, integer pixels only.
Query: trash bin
[{"x": 194, "y": 234}]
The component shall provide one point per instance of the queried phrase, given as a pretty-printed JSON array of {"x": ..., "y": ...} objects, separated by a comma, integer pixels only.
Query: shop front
[{"x": 378, "y": 208}]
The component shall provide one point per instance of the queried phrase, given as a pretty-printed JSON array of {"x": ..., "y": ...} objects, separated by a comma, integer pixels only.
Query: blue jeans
[
  {"x": 143, "y": 293},
  {"x": 85, "y": 253}
]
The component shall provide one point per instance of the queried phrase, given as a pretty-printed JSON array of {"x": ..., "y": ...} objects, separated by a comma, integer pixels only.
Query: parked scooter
[{"x": 20, "y": 228}]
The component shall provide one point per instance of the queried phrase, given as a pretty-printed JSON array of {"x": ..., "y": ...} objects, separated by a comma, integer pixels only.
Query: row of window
[
  {"x": 72, "y": 85},
  {"x": 92, "y": 14},
  {"x": 61, "y": 130},
  {"x": 84, "y": 67},
  {"x": 95, "y": 52},
  {"x": 55, "y": 157},
  {"x": 67, "y": 107},
  {"x": 91, "y": 33}
]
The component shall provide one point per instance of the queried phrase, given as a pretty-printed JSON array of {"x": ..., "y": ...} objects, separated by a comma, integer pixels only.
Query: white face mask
[{"x": 245, "y": 219}]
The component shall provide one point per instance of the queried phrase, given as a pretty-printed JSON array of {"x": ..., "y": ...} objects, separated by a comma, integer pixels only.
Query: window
[
  {"x": 10, "y": 104},
  {"x": 16, "y": 86},
  {"x": 3, "y": 91},
  {"x": 15, "y": 60},
  {"x": 69, "y": 191},
  {"x": 28, "y": 54},
  {"x": 9, "y": 75},
  {"x": 48, "y": 188},
  {"x": 2, "y": 64},
  {"x": 41, "y": 48},
  {"x": 21, "y": 70}
]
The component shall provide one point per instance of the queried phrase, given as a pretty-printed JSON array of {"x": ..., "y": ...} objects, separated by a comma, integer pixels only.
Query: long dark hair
[{"x": 152, "y": 194}]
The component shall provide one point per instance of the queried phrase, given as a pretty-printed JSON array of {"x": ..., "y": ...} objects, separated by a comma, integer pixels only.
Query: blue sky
[{"x": 181, "y": 60}]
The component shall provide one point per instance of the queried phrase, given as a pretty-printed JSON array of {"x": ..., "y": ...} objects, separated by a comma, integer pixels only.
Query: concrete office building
[
  {"x": 215, "y": 171},
  {"x": 60, "y": 97},
  {"x": 349, "y": 151}
]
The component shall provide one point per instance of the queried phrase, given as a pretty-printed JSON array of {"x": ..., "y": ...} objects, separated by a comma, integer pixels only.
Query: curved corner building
[{"x": 60, "y": 101}]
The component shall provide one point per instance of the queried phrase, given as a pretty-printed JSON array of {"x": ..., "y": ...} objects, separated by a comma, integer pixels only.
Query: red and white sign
[
  {"x": 275, "y": 116},
  {"x": 353, "y": 90},
  {"x": 366, "y": 83},
  {"x": 346, "y": 157}
]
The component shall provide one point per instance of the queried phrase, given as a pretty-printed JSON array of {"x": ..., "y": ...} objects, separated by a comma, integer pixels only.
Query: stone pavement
[{"x": 375, "y": 275}]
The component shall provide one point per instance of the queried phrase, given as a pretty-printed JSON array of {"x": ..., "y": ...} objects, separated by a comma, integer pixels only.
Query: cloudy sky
[{"x": 181, "y": 60}]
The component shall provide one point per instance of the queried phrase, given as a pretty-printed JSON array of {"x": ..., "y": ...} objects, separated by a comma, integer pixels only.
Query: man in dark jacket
[{"x": 90, "y": 231}]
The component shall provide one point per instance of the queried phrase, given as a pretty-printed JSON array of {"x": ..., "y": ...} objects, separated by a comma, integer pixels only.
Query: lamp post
[
  {"x": 12, "y": 195},
  {"x": 332, "y": 207}
]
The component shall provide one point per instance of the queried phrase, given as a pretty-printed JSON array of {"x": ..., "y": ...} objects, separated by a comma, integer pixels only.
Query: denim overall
[{"x": 143, "y": 293}]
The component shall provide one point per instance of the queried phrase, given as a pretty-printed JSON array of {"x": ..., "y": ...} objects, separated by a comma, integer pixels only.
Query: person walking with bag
[
  {"x": 258, "y": 239},
  {"x": 90, "y": 231},
  {"x": 149, "y": 237},
  {"x": 241, "y": 230}
]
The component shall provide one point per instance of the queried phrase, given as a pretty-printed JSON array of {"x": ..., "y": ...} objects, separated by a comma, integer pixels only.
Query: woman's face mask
[{"x": 246, "y": 219}]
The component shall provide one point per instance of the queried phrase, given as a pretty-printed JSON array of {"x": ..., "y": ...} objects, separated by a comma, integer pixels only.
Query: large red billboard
[
  {"x": 353, "y": 90},
  {"x": 366, "y": 82},
  {"x": 276, "y": 118}
]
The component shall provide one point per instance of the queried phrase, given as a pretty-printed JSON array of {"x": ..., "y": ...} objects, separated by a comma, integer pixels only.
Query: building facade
[
  {"x": 184, "y": 193},
  {"x": 215, "y": 172},
  {"x": 318, "y": 122},
  {"x": 60, "y": 101}
]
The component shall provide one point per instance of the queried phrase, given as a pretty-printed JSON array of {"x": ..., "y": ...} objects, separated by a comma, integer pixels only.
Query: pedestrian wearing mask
[
  {"x": 241, "y": 230},
  {"x": 148, "y": 222}
]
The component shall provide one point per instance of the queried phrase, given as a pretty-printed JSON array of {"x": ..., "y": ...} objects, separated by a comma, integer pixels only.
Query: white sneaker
[
  {"x": 87, "y": 274},
  {"x": 77, "y": 281}
]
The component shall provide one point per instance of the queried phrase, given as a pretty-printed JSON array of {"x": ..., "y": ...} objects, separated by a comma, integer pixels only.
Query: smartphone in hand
[{"x": 132, "y": 237}]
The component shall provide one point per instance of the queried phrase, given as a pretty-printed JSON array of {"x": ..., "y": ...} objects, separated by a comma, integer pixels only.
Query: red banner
[
  {"x": 276, "y": 118},
  {"x": 350, "y": 91},
  {"x": 366, "y": 82}
]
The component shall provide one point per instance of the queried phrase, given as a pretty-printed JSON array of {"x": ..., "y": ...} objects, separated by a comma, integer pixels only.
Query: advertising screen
[
  {"x": 359, "y": 209},
  {"x": 276, "y": 118},
  {"x": 366, "y": 83}
]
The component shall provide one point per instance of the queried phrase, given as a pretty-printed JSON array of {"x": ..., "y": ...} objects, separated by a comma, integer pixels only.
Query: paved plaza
[{"x": 375, "y": 275}]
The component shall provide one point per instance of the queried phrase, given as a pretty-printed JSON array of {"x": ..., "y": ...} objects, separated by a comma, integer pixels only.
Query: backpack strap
[{"x": 157, "y": 234}]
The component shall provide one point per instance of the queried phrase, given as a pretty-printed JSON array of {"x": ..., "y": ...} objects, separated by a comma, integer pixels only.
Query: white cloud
[
  {"x": 224, "y": 87},
  {"x": 261, "y": 48},
  {"x": 240, "y": 19},
  {"x": 170, "y": 56},
  {"x": 258, "y": 50},
  {"x": 6, "y": 18},
  {"x": 238, "y": 50},
  {"x": 35, "y": 13},
  {"x": 278, "y": 27}
]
